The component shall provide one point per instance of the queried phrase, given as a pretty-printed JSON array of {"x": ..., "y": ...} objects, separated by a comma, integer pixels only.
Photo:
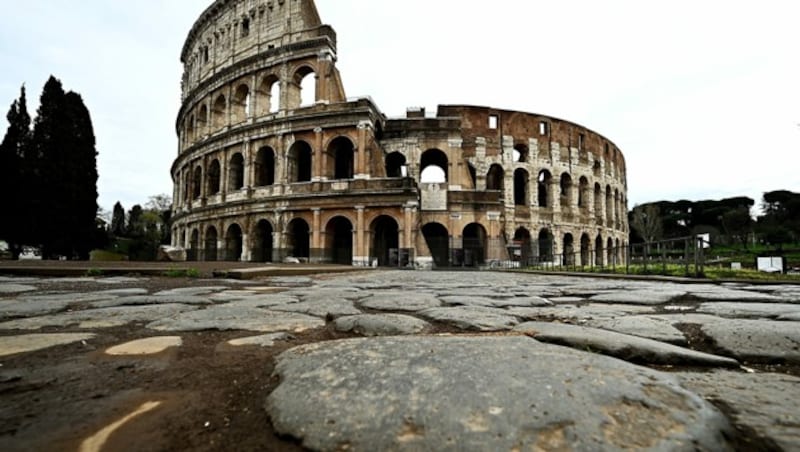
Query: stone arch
[
  {"x": 598, "y": 250},
  {"x": 240, "y": 105},
  {"x": 495, "y": 178},
  {"x": 610, "y": 252},
  {"x": 339, "y": 241},
  {"x": 568, "y": 251},
  {"x": 202, "y": 121},
  {"x": 265, "y": 167},
  {"x": 303, "y": 89},
  {"x": 341, "y": 158},
  {"x": 236, "y": 172},
  {"x": 583, "y": 193},
  {"x": 521, "y": 184},
  {"x": 193, "y": 253},
  {"x": 566, "y": 190},
  {"x": 522, "y": 239},
  {"x": 586, "y": 250},
  {"x": 438, "y": 239},
  {"x": 434, "y": 167},
  {"x": 197, "y": 183},
  {"x": 263, "y": 248},
  {"x": 298, "y": 240},
  {"x": 385, "y": 237},
  {"x": 218, "y": 113},
  {"x": 609, "y": 207},
  {"x": 214, "y": 177},
  {"x": 299, "y": 162},
  {"x": 234, "y": 243},
  {"x": 521, "y": 153},
  {"x": 210, "y": 247},
  {"x": 188, "y": 131},
  {"x": 598, "y": 200},
  {"x": 268, "y": 95},
  {"x": 396, "y": 165},
  {"x": 475, "y": 244},
  {"x": 546, "y": 245},
  {"x": 544, "y": 196}
]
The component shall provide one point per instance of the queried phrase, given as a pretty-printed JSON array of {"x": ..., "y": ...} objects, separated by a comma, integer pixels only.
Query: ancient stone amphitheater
[{"x": 275, "y": 161}]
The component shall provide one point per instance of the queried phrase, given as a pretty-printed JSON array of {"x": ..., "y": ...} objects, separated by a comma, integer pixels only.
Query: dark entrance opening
[
  {"x": 474, "y": 239},
  {"x": 438, "y": 240},
  {"x": 211, "y": 244},
  {"x": 385, "y": 239},
  {"x": 298, "y": 240},
  {"x": 234, "y": 243},
  {"x": 299, "y": 162},
  {"x": 339, "y": 237},
  {"x": 264, "y": 243},
  {"x": 546, "y": 246}
]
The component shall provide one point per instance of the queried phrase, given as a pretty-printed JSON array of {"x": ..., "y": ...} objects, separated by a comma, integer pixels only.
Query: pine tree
[
  {"x": 118, "y": 220},
  {"x": 13, "y": 178},
  {"x": 83, "y": 159}
]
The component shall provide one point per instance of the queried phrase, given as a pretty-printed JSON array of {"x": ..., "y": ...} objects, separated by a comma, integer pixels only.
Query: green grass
[{"x": 182, "y": 273}]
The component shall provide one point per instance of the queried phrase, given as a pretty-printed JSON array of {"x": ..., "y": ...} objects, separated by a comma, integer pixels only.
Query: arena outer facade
[{"x": 263, "y": 175}]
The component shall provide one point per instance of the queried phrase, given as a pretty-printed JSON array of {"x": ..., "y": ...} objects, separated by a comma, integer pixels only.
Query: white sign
[
  {"x": 770, "y": 264},
  {"x": 704, "y": 240},
  {"x": 434, "y": 198}
]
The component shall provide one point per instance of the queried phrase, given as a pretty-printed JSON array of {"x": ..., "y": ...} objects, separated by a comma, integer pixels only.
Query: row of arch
[{"x": 241, "y": 102}]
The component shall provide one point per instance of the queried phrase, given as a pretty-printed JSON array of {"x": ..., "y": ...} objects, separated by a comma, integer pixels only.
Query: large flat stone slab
[
  {"x": 472, "y": 318},
  {"x": 147, "y": 346},
  {"x": 580, "y": 313},
  {"x": 766, "y": 403},
  {"x": 381, "y": 325},
  {"x": 98, "y": 318},
  {"x": 623, "y": 346},
  {"x": 720, "y": 293},
  {"x": 234, "y": 318},
  {"x": 640, "y": 297},
  {"x": 27, "y": 305},
  {"x": 479, "y": 394},
  {"x": 12, "y": 288},
  {"x": 752, "y": 310},
  {"x": 757, "y": 340},
  {"x": 138, "y": 300},
  {"x": 655, "y": 328},
  {"x": 266, "y": 340},
  {"x": 318, "y": 308},
  {"x": 400, "y": 301},
  {"x": 12, "y": 345}
]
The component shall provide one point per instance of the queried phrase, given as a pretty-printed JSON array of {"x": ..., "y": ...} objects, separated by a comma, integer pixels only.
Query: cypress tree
[
  {"x": 13, "y": 178},
  {"x": 82, "y": 157},
  {"x": 118, "y": 220}
]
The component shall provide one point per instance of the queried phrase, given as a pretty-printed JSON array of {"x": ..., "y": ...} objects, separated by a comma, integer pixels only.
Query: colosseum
[{"x": 276, "y": 162}]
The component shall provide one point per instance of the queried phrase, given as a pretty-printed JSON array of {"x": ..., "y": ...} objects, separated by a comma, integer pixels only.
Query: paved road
[{"x": 450, "y": 361}]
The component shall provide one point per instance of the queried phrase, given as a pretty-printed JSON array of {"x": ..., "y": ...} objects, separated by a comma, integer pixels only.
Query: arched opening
[
  {"x": 265, "y": 167},
  {"x": 214, "y": 174},
  {"x": 396, "y": 165},
  {"x": 236, "y": 172},
  {"x": 522, "y": 250},
  {"x": 304, "y": 89},
  {"x": 473, "y": 175},
  {"x": 598, "y": 251},
  {"x": 240, "y": 107},
  {"x": 546, "y": 246},
  {"x": 299, "y": 161},
  {"x": 569, "y": 250},
  {"x": 617, "y": 211},
  {"x": 197, "y": 183},
  {"x": 609, "y": 207},
  {"x": 521, "y": 153},
  {"x": 610, "y": 252},
  {"x": 495, "y": 178},
  {"x": 521, "y": 183},
  {"x": 193, "y": 254},
  {"x": 269, "y": 95},
  {"x": 218, "y": 119},
  {"x": 188, "y": 134},
  {"x": 339, "y": 241},
  {"x": 298, "y": 240},
  {"x": 434, "y": 167},
  {"x": 386, "y": 242},
  {"x": 598, "y": 201},
  {"x": 566, "y": 190},
  {"x": 263, "y": 242},
  {"x": 210, "y": 248},
  {"x": 596, "y": 169},
  {"x": 342, "y": 151},
  {"x": 438, "y": 240},
  {"x": 583, "y": 193},
  {"x": 620, "y": 253},
  {"x": 545, "y": 179},
  {"x": 586, "y": 250},
  {"x": 475, "y": 245},
  {"x": 202, "y": 121},
  {"x": 234, "y": 243}
]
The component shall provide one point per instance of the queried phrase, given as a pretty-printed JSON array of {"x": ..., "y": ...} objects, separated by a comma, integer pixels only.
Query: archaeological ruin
[{"x": 276, "y": 162}]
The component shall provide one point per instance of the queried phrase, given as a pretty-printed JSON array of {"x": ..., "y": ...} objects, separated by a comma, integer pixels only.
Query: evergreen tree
[
  {"x": 135, "y": 222},
  {"x": 15, "y": 147},
  {"x": 83, "y": 159},
  {"x": 118, "y": 220}
]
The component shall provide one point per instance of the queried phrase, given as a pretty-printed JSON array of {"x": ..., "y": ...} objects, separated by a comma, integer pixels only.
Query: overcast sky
[{"x": 702, "y": 96}]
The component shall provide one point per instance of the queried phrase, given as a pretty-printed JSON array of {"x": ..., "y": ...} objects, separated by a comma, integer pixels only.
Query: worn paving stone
[
  {"x": 623, "y": 346},
  {"x": 139, "y": 300},
  {"x": 12, "y": 345},
  {"x": 400, "y": 301},
  {"x": 580, "y": 314},
  {"x": 566, "y": 300},
  {"x": 147, "y": 346},
  {"x": 12, "y": 288},
  {"x": 328, "y": 308},
  {"x": 655, "y": 328},
  {"x": 33, "y": 305},
  {"x": 477, "y": 394},
  {"x": 125, "y": 292},
  {"x": 98, "y": 318},
  {"x": 757, "y": 340},
  {"x": 790, "y": 317},
  {"x": 118, "y": 280},
  {"x": 472, "y": 318},
  {"x": 381, "y": 325},
  {"x": 290, "y": 281},
  {"x": 180, "y": 291},
  {"x": 267, "y": 340},
  {"x": 752, "y": 310},
  {"x": 234, "y": 318},
  {"x": 258, "y": 300},
  {"x": 761, "y": 401},
  {"x": 640, "y": 297},
  {"x": 728, "y": 294}
]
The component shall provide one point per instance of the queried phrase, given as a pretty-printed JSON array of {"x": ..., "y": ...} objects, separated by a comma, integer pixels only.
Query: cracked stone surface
[
  {"x": 474, "y": 394},
  {"x": 754, "y": 310},
  {"x": 472, "y": 318},
  {"x": 655, "y": 328},
  {"x": 12, "y": 345},
  {"x": 266, "y": 340},
  {"x": 640, "y": 297},
  {"x": 98, "y": 318},
  {"x": 400, "y": 301},
  {"x": 321, "y": 308},
  {"x": 231, "y": 318},
  {"x": 757, "y": 340},
  {"x": 381, "y": 324}
]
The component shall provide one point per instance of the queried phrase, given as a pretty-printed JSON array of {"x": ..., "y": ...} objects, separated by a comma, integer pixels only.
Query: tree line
[
  {"x": 48, "y": 176},
  {"x": 138, "y": 234},
  {"x": 729, "y": 221}
]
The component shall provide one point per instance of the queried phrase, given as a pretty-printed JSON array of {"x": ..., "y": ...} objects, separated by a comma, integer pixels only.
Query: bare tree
[{"x": 648, "y": 222}]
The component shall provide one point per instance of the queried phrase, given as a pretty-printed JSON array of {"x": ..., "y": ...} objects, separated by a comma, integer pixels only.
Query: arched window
[
  {"x": 300, "y": 161},
  {"x": 521, "y": 181},
  {"x": 545, "y": 180},
  {"x": 546, "y": 246},
  {"x": 396, "y": 165},
  {"x": 433, "y": 167},
  {"x": 569, "y": 250},
  {"x": 236, "y": 172},
  {"x": 495, "y": 178},
  {"x": 583, "y": 193},
  {"x": 339, "y": 241},
  {"x": 218, "y": 113},
  {"x": 268, "y": 95},
  {"x": 438, "y": 240},
  {"x": 202, "y": 122},
  {"x": 240, "y": 108},
  {"x": 234, "y": 243},
  {"x": 566, "y": 190},
  {"x": 197, "y": 183},
  {"x": 214, "y": 177},
  {"x": 586, "y": 250},
  {"x": 341, "y": 155},
  {"x": 302, "y": 92},
  {"x": 265, "y": 167},
  {"x": 521, "y": 153},
  {"x": 210, "y": 247}
]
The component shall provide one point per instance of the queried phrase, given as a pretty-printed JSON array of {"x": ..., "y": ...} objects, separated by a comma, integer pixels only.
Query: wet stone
[
  {"x": 623, "y": 346},
  {"x": 381, "y": 325},
  {"x": 147, "y": 346},
  {"x": 475, "y": 394}
]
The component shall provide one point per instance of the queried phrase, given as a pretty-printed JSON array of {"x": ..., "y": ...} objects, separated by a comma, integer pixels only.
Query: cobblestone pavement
[{"x": 395, "y": 360}]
